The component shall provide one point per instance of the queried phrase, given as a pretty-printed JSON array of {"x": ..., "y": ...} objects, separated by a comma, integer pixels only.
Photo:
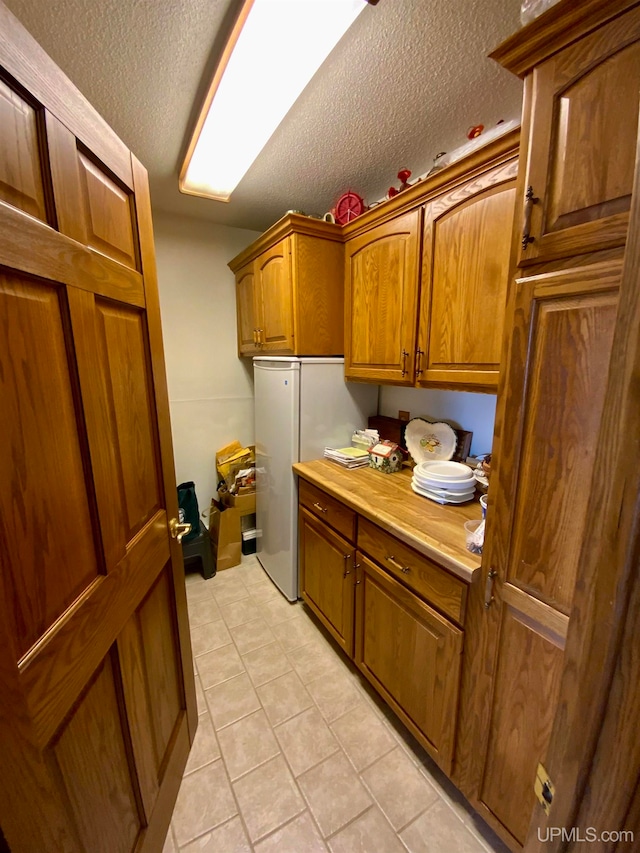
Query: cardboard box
[
  {"x": 245, "y": 504},
  {"x": 224, "y": 532}
]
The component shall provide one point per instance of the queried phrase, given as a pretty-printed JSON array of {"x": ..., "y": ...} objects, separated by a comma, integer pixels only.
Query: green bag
[{"x": 188, "y": 503}]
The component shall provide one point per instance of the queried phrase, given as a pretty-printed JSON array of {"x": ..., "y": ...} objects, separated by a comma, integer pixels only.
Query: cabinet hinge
[{"x": 544, "y": 789}]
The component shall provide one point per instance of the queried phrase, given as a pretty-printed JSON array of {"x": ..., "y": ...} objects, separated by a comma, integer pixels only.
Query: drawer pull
[
  {"x": 488, "y": 590},
  {"x": 394, "y": 562},
  {"x": 419, "y": 354},
  {"x": 528, "y": 207},
  {"x": 320, "y": 507},
  {"x": 347, "y": 571}
]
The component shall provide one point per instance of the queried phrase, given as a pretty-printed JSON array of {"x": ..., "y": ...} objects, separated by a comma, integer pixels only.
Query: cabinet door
[
  {"x": 274, "y": 299},
  {"x": 246, "y": 314},
  {"x": 582, "y": 142},
  {"x": 411, "y": 655},
  {"x": 557, "y": 377},
  {"x": 327, "y": 577},
  {"x": 381, "y": 299},
  {"x": 465, "y": 271}
]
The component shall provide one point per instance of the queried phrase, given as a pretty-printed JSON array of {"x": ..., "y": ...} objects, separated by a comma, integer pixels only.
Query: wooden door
[
  {"x": 582, "y": 142},
  {"x": 98, "y": 705},
  {"x": 381, "y": 301},
  {"x": 246, "y": 311},
  {"x": 411, "y": 655},
  {"x": 274, "y": 299},
  {"x": 327, "y": 577},
  {"x": 465, "y": 272},
  {"x": 558, "y": 369}
]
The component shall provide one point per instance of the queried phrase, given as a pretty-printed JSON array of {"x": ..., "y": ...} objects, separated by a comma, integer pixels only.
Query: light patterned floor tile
[
  {"x": 263, "y": 591},
  {"x": 364, "y": 737},
  {"x": 204, "y": 801},
  {"x": 203, "y": 611},
  {"x": 227, "y": 593},
  {"x": 299, "y": 836},
  {"x": 169, "y": 843},
  {"x": 284, "y": 697},
  {"x": 400, "y": 789},
  {"x": 212, "y": 635},
  {"x": 296, "y": 632},
  {"x": 315, "y": 660},
  {"x": 198, "y": 592},
  {"x": 231, "y": 700},
  {"x": 334, "y": 792},
  {"x": 205, "y": 747},
  {"x": 252, "y": 635},
  {"x": 266, "y": 663},
  {"x": 306, "y": 740},
  {"x": 228, "y": 838},
  {"x": 334, "y": 694},
  {"x": 440, "y": 830},
  {"x": 247, "y": 744},
  {"x": 239, "y": 612},
  {"x": 276, "y": 610},
  {"x": 268, "y": 797},
  {"x": 368, "y": 833},
  {"x": 218, "y": 666},
  {"x": 201, "y": 702}
]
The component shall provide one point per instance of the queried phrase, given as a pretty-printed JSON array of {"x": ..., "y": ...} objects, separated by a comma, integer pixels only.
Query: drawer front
[
  {"x": 419, "y": 573},
  {"x": 331, "y": 511}
]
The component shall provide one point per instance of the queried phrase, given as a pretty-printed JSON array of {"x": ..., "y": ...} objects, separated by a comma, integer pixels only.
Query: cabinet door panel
[
  {"x": 274, "y": 299},
  {"x": 467, "y": 239},
  {"x": 582, "y": 142},
  {"x": 246, "y": 314},
  {"x": 412, "y": 657},
  {"x": 381, "y": 294},
  {"x": 327, "y": 577},
  {"x": 558, "y": 368}
]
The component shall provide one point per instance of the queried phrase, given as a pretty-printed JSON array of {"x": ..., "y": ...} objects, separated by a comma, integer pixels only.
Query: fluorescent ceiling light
[{"x": 274, "y": 51}]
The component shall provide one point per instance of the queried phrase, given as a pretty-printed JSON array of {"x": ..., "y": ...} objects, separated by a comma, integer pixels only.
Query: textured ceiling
[{"x": 405, "y": 82}]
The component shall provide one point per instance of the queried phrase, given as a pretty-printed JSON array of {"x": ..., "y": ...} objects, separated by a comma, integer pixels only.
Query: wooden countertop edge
[{"x": 391, "y": 524}]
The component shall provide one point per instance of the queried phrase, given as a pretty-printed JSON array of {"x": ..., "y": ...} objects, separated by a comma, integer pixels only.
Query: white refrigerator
[{"x": 302, "y": 405}]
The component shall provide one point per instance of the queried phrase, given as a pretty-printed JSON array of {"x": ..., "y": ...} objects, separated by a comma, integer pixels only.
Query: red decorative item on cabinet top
[{"x": 348, "y": 206}]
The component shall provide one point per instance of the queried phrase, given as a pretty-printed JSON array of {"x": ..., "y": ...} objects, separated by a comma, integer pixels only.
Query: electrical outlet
[{"x": 403, "y": 416}]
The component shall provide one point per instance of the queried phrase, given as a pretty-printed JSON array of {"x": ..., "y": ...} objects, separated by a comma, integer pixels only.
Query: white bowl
[{"x": 444, "y": 470}]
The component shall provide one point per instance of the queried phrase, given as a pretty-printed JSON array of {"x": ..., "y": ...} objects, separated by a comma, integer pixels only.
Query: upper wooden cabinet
[
  {"x": 426, "y": 277},
  {"x": 465, "y": 271},
  {"x": 580, "y": 143},
  {"x": 289, "y": 290},
  {"x": 382, "y": 276}
]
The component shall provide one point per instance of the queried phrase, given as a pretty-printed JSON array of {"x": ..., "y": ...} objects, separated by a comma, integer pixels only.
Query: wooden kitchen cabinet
[
  {"x": 425, "y": 304},
  {"x": 289, "y": 290},
  {"x": 465, "y": 273},
  {"x": 327, "y": 577},
  {"x": 581, "y": 105},
  {"x": 381, "y": 300},
  {"x": 412, "y": 657}
]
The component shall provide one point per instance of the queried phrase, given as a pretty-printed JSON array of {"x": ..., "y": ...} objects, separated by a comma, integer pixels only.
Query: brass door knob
[{"x": 179, "y": 530}]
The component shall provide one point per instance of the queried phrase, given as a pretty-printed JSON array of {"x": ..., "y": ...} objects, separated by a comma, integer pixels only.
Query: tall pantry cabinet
[{"x": 578, "y": 152}]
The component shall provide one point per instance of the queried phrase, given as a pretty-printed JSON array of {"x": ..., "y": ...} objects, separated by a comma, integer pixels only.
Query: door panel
[
  {"x": 245, "y": 308},
  {"x": 381, "y": 281},
  {"x": 274, "y": 312},
  {"x": 95, "y": 660},
  {"x": 585, "y": 106},
  {"x": 21, "y": 180},
  {"x": 558, "y": 369},
  {"x": 45, "y": 514}
]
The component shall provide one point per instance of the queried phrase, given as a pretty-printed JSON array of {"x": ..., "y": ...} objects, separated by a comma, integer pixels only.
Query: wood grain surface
[{"x": 388, "y": 501}]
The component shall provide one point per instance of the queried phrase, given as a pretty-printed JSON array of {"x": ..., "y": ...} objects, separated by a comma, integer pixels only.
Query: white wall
[
  {"x": 210, "y": 388},
  {"x": 476, "y": 412}
]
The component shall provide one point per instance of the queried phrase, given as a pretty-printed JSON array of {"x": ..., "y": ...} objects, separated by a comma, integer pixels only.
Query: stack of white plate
[{"x": 444, "y": 482}]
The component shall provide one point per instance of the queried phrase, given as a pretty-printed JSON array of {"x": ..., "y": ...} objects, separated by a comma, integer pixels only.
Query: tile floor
[{"x": 294, "y": 753}]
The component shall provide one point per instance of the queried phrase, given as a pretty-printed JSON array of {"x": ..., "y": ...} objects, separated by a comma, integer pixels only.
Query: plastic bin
[{"x": 249, "y": 541}]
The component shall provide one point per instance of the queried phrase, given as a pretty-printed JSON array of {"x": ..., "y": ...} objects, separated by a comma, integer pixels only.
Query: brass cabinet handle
[
  {"x": 320, "y": 507},
  {"x": 255, "y": 337},
  {"x": 404, "y": 361},
  {"x": 260, "y": 342},
  {"x": 528, "y": 207},
  {"x": 488, "y": 590},
  {"x": 419, "y": 354},
  {"x": 178, "y": 530},
  {"x": 346, "y": 570},
  {"x": 356, "y": 567},
  {"x": 394, "y": 562}
]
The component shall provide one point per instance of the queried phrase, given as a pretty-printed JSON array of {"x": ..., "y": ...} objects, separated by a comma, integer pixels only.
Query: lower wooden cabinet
[
  {"x": 327, "y": 577},
  {"x": 411, "y": 655}
]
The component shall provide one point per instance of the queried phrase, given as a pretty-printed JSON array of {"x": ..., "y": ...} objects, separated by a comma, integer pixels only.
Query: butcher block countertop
[{"x": 388, "y": 501}]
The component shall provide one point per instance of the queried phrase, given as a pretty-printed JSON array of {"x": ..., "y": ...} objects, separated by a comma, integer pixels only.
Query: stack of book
[{"x": 348, "y": 457}]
